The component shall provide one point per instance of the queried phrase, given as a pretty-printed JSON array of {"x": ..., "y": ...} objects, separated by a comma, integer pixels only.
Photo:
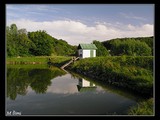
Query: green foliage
[
  {"x": 38, "y": 43},
  {"x": 142, "y": 46},
  {"x": 145, "y": 62},
  {"x": 14, "y": 29},
  {"x": 58, "y": 60},
  {"x": 142, "y": 108},
  {"x": 120, "y": 71},
  {"x": 43, "y": 43},
  {"x": 11, "y": 34},
  {"x": 28, "y": 60},
  {"x": 101, "y": 51},
  {"x": 18, "y": 43},
  {"x": 24, "y": 43},
  {"x": 148, "y": 40},
  {"x": 43, "y": 60},
  {"x": 63, "y": 48}
]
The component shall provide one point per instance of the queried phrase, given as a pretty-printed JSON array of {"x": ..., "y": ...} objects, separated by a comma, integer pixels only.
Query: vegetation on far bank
[
  {"x": 27, "y": 60},
  {"x": 38, "y": 60},
  {"x": 139, "y": 46},
  {"x": 40, "y": 43},
  {"x": 122, "y": 62},
  {"x": 135, "y": 73}
]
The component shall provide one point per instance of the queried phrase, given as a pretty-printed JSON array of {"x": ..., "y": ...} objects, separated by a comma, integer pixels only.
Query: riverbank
[
  {"x": 133, "y": 73},
  {"x": 52, "y": 60},
  {"x": 142, "y": 108}
]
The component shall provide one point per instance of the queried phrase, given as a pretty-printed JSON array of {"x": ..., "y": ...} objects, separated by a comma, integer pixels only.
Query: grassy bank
[
  {"x": 133, "y": 73},
  {"x": 59, "y": 60},
  {"x": 28, "y": 66},
  {"x": 142, "y": 108},
  {"x": 55, "y": 60},
  {"x": 27, "y": 60}
]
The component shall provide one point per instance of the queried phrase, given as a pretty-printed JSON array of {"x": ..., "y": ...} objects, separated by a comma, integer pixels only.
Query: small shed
[{"x": 86, "y": 50}]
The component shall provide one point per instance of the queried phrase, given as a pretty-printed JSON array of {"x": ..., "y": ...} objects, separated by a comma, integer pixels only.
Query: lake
[{"x": 51, "y": 91}]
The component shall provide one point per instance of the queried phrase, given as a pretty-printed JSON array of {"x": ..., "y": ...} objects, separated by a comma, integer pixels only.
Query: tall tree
[
  {"x": 101, "y": 51},
  {"x": 24, "y": 43},
  {"x": 43, "y": 43},
  {"x": 11, "y": 37}
]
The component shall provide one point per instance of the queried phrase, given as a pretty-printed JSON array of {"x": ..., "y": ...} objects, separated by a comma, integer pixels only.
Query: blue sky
[{"x": 77, "y": 23}]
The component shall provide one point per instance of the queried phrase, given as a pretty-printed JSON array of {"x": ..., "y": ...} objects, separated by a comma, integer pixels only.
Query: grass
[
  {"x": 59, "y": 60},
  {"x": 142, "y": 108},
  {"x": 135, "y": 73},
  {"x": 28, "y": 66},
  {"x": 36, "y": 60},
  {"x": 128, "y": 73},
  {"x": 28, "y": 60}
]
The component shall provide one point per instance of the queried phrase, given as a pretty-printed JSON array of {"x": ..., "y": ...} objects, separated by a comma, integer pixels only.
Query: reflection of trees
[
  {"x": 39, "y": 79},
  {"x": 16, "y": 82}
]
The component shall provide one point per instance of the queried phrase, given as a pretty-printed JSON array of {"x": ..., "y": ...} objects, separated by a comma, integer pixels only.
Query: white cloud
[{"x": 75, "y": 32}]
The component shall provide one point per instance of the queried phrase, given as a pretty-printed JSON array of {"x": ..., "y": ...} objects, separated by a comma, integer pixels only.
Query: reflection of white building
[{"x": 84, "y": 85}]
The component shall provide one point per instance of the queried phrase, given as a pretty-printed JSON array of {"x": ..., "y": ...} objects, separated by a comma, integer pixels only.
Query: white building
[{"x": 86, "y": 50}]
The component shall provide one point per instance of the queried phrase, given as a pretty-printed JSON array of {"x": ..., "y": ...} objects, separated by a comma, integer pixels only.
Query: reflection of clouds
[
  {"x": 29, "y": 90},
  {"x": 64, "y": 85},
  {"x": 101, "y": 90}
]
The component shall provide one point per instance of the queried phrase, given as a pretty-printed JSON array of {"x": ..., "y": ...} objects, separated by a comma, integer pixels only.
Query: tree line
[
  {"x": 40, "y": 43},
  {"x": 140, "y": 46},
  {"x": 37, "y": 43}
]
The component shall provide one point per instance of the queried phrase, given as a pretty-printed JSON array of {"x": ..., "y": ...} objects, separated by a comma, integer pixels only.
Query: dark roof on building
[{"x": 87, "y": 46}]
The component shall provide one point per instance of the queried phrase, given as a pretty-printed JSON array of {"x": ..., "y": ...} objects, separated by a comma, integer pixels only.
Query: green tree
[
  {"x": 43, "y": 43},
  {"x": 63, "y": 48},
  {"x": 24, "y": 43},
  {"x": 11, "y": 38},
  {"x": 38, "y": 43},
  {"x": 101, "y": 51},
  {"x": 14, "y": 29},
  {"x": 128, "y": 46}
]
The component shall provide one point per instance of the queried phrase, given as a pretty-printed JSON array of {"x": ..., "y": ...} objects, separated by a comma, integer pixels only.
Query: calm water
[{"x": 51, "y": 91}]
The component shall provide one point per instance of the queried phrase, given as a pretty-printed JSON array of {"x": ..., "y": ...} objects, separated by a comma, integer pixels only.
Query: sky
[{"x": 83, "y": 23}]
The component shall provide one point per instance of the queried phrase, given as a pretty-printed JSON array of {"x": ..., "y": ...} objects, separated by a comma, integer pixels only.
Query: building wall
[
  {"x": 94, "y": 53},
  {"x": 85, "y": 53}
]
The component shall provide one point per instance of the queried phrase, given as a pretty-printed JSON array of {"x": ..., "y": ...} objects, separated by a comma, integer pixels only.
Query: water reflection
[
  {"x": 63, "y": 85},
  {"x": 19, "y": 79},
  {"x": 84, "y": 85},
  {"x": 50, "y": 91}
]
